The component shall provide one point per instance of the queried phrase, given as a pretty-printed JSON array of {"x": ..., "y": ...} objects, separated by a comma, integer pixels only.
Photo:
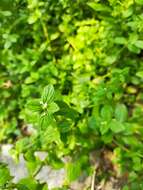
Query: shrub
[{"x": 91, "y": 52}]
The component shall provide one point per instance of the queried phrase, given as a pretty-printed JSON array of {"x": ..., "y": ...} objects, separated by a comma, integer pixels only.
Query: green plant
[{"x": 91, "y": 51}]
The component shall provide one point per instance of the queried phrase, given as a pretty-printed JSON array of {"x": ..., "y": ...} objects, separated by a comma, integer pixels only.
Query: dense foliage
[{"x": 91, "y": 53}]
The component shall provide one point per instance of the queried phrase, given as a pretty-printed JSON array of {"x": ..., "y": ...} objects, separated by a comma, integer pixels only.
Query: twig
[
  {"x": 38, "y": 170},
  {"x": 93, "y": 180}
]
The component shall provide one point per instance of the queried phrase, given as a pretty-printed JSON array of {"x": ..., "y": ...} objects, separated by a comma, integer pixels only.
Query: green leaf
[
  {"x": 110, "y": 59},
  {"x": 131, "y": 140},
  {"x": 133, "y": 48},
  {"x": 73, "y": 171},
  {"x": 34, "y": 16},
  {"x": 48, "y": 94},
  {"x": 45, "y": 120},
  {"x": 92, "y": 123},
  {"x": 22, "y": 144},
  {"x": 104, "y": 127},
  {"x": 34, "y": 105},
  {"x": 53, "y": 107},
  {"x": 128, "y": 12},
  {"x": 51, "y": 134},
  {"x": 121, "y": 112},
  {"x": 140, "y": 74},
  {"x": 66, "y": 111},
  {"x": 116, "y": 126},
  {"x": 32, "y": 166},
  {"x": 107, "y": 112},
  {"x": 139, "y": 44},
  {"x": 32, "y": 78},
  {"x": 120, "y": 40},
  {"x": 140, "y": 2},
  {"x": 99, "y": 7},
  {"x": 125, "y": 187},
  {"x": 137, "y": 164},
  {"x": 65, "y": 126},
  {"x": 4, "y": 175},
  {"x": 27, "y": 184},
  {"x": 107, "y": 138},
  {"x": 45, "y": 187}
]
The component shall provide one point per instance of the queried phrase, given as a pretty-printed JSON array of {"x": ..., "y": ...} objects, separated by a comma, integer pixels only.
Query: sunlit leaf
[{"x": 48, "y": 94}]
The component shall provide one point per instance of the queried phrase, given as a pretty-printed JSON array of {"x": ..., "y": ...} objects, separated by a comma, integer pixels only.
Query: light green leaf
[
  {"x": 140, "y": 2},
  {"x": 110, "y": 59},
  {"x": 32, "y": 78},
  {"x": 32, "y": 4},
  {"x": 128, "y": 12},
  {"x": 45, "y": 187},
  {"x": 121, "y": 112},
  {"x": 99, "y": 7},
  {"x": 34, "y": 105},
  {"x": 120, "y": 40},
  {"x": 34, "y": 16},
  {"x": 27, "y": 184},
  {"x": 104, "y": 127},
  {"x": 140, "y": 74},
  {"x": 48, "y": 94},
  {"x": 73, "y": 171},
  {"x": 125, "y": 187},
  {"x": 116, "y": 126},
  {"x": 45, "y": 120},
  {"x": 107, "y": 138},
  {"x": 53, "y": 107},
  {"x": 22, "y": 144},
  {"x": 51, "y": 134},
  {"x": 137, "y": 163},
  {"x": 32, "y": 166},
  {"x": 139, "y": 44},
  {"x": 4, "y": 175},
  {"x": 133, "y": 48}
]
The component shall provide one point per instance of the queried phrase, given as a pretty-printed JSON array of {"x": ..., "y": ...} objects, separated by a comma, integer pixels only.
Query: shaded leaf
[
  {"x": 107, "y": 112},
  {"x": 121, "y": 112},
  {"x": 116, "y": 126}
]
